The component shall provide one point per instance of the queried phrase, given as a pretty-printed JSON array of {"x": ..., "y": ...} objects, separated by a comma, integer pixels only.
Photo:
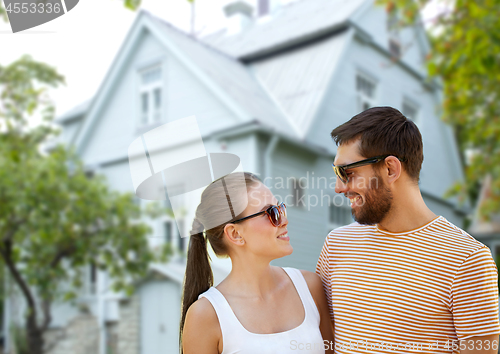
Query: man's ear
[
  {"x": 232, "y": 234},
  {"x": 392, "y": 169}
]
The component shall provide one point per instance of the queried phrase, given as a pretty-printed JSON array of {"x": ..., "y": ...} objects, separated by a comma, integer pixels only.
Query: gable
[
  {"x": 199, "y": 81},
  {"x": 118, "y": 123}
]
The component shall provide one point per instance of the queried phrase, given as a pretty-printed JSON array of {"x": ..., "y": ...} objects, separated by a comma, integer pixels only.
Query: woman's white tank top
[{"x": 306, "y": 338}]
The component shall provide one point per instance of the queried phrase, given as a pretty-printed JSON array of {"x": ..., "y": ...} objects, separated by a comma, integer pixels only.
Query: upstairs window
[
  {"x": 410, "y": 111},
  {"x": 150, "y": 95},
  {"x": 365, "y": 88}
]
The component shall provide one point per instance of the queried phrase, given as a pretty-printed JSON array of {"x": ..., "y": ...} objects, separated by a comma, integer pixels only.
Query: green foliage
[
  {"x": 54, "y": 219},
  {"x": 465, "y": 55}
]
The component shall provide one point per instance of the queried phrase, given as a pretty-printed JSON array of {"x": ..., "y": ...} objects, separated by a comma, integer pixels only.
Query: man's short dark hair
[{"x": 384, "y": 130}]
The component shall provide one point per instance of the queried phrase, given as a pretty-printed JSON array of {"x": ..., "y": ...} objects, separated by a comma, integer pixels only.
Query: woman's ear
[
  {"x": 392, "y": 169},
  {"x": 232, "y": 233}
]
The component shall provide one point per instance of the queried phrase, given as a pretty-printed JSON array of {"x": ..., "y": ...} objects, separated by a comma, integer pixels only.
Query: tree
[
  {"x": 54, "y": 220},
  {"x": 465, "y": 55}
]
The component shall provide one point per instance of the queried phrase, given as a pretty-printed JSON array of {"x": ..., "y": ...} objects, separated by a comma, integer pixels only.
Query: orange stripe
[{"x": 432, "y": 283}]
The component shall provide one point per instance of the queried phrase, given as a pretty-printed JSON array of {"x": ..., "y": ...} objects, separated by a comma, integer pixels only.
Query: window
[
  {"x": 298, "y": 193},
  {"x": 150, "y": 95},
  {"x": 394, "y": 48},
  {"x": 170, "y": 229},
  {"x": 182, "y": 240},
  {"x": 92, "y": 278},
  {"x": 167, "y": 230},
  {"x": 410, "y": 111},
  {"x": 339, "y": 215},
  {"x": 365, "y": 89}
]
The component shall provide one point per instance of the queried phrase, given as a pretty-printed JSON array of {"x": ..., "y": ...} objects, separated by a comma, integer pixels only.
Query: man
[{"x": 401, "y": 279}]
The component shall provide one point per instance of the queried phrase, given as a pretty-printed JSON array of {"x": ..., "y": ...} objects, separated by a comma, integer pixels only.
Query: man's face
[{"x": 371, "y": 198}]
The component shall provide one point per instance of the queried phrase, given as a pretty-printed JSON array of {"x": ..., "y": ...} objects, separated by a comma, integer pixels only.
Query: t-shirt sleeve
[
  {"x": 474, "y": 296},
  {"x": 323, "y": 270}
]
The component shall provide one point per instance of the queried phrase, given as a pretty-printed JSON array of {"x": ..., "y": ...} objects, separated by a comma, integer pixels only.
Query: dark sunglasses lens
[
  {"x": 275, "y": 216},
  {"x": 340, "y": 173}
]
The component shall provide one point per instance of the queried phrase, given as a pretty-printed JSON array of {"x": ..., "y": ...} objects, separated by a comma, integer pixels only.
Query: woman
[{"x": 258, "y": 308}]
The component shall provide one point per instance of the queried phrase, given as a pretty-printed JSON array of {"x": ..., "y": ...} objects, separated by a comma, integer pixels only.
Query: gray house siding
[{"x": 308, "y": 224}]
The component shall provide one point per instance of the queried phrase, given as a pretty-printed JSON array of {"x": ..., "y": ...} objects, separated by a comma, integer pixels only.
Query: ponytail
[
  {"x": 214, "y": 202},
  {"x": 198, "y": 277}
]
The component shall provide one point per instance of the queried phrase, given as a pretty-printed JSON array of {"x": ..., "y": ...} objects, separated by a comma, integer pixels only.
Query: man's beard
[{"x": 377, "y": 204}]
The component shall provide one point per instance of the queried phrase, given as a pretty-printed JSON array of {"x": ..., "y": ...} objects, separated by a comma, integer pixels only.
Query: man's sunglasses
[
  {"x": 341, "y": 173},
  {"x": 274, "y": 212}
]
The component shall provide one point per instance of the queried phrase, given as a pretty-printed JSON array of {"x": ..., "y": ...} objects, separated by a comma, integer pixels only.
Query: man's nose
[{"x": 340, "y": 187}]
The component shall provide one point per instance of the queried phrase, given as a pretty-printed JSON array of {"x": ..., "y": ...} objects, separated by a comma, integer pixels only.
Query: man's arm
[{"x": 480, "y": 345}]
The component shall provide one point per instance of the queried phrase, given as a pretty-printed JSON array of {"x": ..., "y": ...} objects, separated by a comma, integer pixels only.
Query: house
[{"x": 269, "y": 88}]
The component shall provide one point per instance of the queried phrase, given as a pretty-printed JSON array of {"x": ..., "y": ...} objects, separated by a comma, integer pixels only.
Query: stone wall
[
  {"x": 80, "y": 336},
  {"x": 128, "y": 327}
]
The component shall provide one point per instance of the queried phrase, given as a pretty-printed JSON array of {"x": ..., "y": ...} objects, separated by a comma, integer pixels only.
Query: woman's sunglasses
[
  {"x": 341, "y": 173},
  {"x": 274, "y": 212}
]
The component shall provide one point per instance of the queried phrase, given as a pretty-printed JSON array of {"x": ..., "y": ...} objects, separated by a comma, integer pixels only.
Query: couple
[{"x": 400, "y": 279}]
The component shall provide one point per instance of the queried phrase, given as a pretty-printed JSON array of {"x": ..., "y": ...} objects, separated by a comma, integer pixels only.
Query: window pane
[
  {"x": 157, "y": 104},
  {"x": 365, "y": 86},
  {"x": 409, "y": 111},
  {"x": 180, "y": 234},
  {"x": 167, "y": 227},
  {"x": 144, "y": 107}
]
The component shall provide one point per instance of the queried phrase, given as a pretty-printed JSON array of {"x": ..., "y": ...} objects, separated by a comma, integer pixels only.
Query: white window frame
[
  {"x": 153, "y": 116},
  {"x": 177, "y": 241},
  {"x": 362, "y": 97}
]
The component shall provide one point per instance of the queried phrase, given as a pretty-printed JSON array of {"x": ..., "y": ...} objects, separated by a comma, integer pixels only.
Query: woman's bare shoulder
[
  {"x": 201, "y": 332},
  {"x": 202, "y": 313},
  {"x": 313, "y": 283}
]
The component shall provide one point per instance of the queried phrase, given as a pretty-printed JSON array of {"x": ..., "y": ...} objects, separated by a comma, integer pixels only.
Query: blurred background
[{"x": 88, "y": 267}]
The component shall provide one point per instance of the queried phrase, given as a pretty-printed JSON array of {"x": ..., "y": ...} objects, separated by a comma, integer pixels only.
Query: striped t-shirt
[{"x": 415, "y": 291}]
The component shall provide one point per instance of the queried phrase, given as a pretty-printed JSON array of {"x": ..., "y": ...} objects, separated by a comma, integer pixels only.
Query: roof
[
  {"x": 294, "y": 23},
  {"x": 230, "y": 75},
  {"x": 298, "y": 79},
  {"x": 257, "y": 94},
  {"x": 77, "y": 111}
]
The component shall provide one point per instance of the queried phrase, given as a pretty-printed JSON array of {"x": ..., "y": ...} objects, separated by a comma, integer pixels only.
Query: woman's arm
[
  {"x": 201, "y": 334},
  {"x": 325, "y": 325}
]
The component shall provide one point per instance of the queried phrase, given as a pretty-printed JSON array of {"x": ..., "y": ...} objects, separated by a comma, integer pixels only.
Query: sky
[{"x": 82, "y": 44}]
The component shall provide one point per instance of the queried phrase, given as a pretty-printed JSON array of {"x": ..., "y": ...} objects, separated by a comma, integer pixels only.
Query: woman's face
[{"x": 260, "y": 236}]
